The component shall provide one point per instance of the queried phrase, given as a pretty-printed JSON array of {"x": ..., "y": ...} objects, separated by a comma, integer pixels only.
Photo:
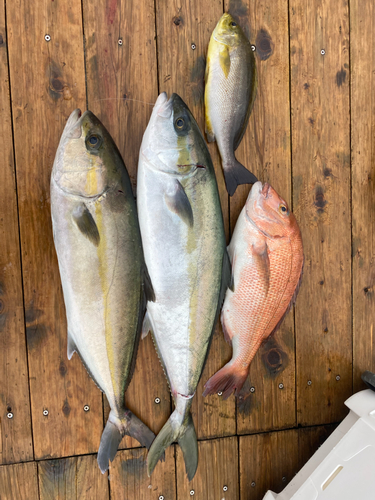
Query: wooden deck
[{"x": 311, "y": 135}]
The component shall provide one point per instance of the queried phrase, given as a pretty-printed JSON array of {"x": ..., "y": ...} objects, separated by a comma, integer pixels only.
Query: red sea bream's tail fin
[{"x": 226, "y": 380}]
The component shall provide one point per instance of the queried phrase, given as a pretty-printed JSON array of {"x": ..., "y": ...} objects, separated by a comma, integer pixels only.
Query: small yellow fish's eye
[
  {"x": 283, "y": 210},
  {"x": 233, "y": 24},
  {"x": 180, "y": 122}
]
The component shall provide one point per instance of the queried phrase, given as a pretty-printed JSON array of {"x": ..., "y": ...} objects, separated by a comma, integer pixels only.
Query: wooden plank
[
  {"x": 129, "y": 479},
  {"x": 267, "y": 462},
  {"x": 217, "y": 473},
  {"x": 19, "y": 482},
  {"x": 47, "y": 83},
  {"x": 310, "y": 439},
  {"x": 362, "y": 25},
  {"x": 15, "y": 433},
  {"x": 75, "y": 478},
  {"x": 321, "y": 196},
  {"x": 265, "y": 150},
  {"x": 183, "y": 32},
  {"x": 122, "y": 85}
]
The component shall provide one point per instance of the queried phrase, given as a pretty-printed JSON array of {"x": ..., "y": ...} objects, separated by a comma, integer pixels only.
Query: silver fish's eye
[
  {"x": 93, "y": 140},
  {"x": 180, "y": 122},
  {"x": 233, "y": 24}
]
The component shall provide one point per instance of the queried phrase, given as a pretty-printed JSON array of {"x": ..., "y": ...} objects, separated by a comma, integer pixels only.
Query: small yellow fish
[{"x": 229, "y": 96}]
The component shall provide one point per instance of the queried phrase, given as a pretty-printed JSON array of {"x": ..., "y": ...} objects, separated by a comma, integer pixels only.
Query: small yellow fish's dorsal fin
[{"x": 224, "y": 59}]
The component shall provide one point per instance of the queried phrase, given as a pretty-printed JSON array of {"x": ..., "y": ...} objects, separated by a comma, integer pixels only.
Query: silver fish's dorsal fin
[
  {"x": 146, "y": 326},
  {"x": 178, "y": 203},
  {"x": 86, "y": 224}
]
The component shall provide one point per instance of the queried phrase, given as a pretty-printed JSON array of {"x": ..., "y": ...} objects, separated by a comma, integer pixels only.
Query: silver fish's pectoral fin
[
  {"x": 178, "y": 203},
  {"x": 147, "y": 285},
  {"x": 146, "y": 326},
  {"x": 86, "y": 224}
]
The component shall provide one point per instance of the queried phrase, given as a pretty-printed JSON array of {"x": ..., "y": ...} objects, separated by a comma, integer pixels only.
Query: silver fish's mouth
[{"x": 163, "y": 105}]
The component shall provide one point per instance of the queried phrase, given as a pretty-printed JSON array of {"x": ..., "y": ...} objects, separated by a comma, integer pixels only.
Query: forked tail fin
[
  {"x": 186, "y": 437},
  {"x": 226, "y": 380},
  {"x": 115, "y": 430},
  {"x": 234, "y": 174}
]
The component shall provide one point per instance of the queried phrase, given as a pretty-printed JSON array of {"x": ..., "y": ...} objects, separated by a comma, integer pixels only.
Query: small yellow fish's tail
[
  {"x": 115, "y": 430},
  {"x": 235, "y": 174}
]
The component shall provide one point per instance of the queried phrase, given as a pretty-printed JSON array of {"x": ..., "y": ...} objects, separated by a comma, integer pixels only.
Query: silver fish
[
  {"x": 103, "y": 273},
  {"x": 229, "y": 96},
  {"x": 183, "y": 236}
]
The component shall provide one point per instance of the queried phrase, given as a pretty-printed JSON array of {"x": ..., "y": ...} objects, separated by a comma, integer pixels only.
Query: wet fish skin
[
  {"x": 183, "y": 236},
  {"x": 102, "y": 269},
  {"x": 266, "y": 253},
  {"x": 230, "y": 91}
]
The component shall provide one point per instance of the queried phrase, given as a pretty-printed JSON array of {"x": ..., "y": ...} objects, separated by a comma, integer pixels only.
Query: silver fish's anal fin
[
  {"x": 147, "y": 285},
  {"x": 235, "y": 174},
  {"x": 293, "y": 300},
  {"x": 178, "y": 203},
  {"x": 115, "y": 430},
  {"x": 72, "y": 348},
  {"x": 86, "y": 224},
  {"x": 146, "y": 326},
  {"x": 186, "y": 437}
]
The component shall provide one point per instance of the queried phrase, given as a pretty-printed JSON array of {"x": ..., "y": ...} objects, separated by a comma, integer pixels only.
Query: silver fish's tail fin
[
  {"x": 115, "y": 430},
  {"x": 230, "y": 378},
  {"x": 184, "y": 434},
  {"x": 234, "y": 174}
]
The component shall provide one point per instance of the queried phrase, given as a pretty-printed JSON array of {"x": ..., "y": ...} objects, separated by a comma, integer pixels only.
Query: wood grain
[
  {"x": 122, "y": 86},
  {"x": 129, "y": 480},
  {"x": 310, "y": 439},
  {"x": 180, "y": 28},
  {"x": 265, "y": 150},
  {"x": 19, "y": 482},
  {"x": 267, "y": 462},
  {"x": 321, "y": 197},
  {"x": 362, "y": 56},
  {"x": 48, "y": 82},
  {"x": 217, "y": 473},
  {"x": 76, "y": 478},
  {"x": 15, "y": 433}
]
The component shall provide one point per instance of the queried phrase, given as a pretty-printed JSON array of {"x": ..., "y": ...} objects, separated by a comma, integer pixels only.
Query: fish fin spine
[
  {"x": 227, "y": 380},
  {"x": 225, "y": 330},
  {"x": 236, "y": 174}
]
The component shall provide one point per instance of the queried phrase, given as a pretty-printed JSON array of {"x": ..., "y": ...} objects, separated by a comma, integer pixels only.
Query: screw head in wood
[
  {"x": 86, "y": 408},
  {"x": 252, "y": 389},
  {"x": 253, "y": 48},
  {"x": 47, "y": 38},
  {"x": 157, "y": 400},
  {"x": 283, "y": 479},
  {"x": 323, "y": 52},
  {"x": 120, "y": 42},
  {"x": 281, "y": 386},
  {"x": 193, "y": 46},
  {"x": 161, "y": 497},
  {"x": 10, "y": 415},
  {"x": 253, "y": 484},
  {"x": 45, "y": 412},
  {"x": 338, "y": 377},
  {"x": 309, "y": 382},
  {"x": 225, "y": 488},
  {"x": 220, "y": 393},
  {"x": 192, "y": 493}
]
